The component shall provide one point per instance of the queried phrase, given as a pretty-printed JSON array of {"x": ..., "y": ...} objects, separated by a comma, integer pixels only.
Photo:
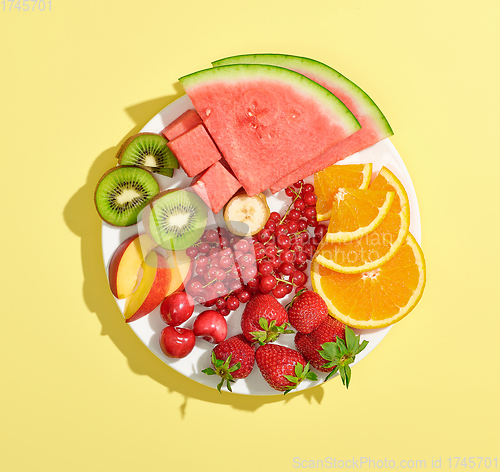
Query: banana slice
[{"x": 246, "y": 216}]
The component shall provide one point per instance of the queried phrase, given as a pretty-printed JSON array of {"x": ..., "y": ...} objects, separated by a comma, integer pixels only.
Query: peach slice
[
  {"x": 181, "y": 267},
  {"x": 125, "y": 263},
  {"x": 152, "y": 289}
]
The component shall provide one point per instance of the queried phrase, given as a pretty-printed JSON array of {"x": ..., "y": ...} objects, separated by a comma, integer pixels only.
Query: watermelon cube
[
  {"x": 195, "y": 150},
  {"x": 216, "y": 186},
  {"x": 187, "y": 121}
]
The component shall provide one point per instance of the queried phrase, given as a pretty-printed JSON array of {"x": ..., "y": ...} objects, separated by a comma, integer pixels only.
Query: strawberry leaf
[
  {"x": 270, "y": 332},
  {"x": 209, "y": 371},
  {"x": 340, "y": 354}
]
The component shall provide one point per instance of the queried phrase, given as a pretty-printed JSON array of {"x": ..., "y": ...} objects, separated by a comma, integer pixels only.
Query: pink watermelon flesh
[
  {"x": 216, "y": 186},
  {"x": 186, "y": 122},
  {"x": 374, "y": 126},
  {"x": 369, "y": 134},
  {"x": 265, "y": 128},
  {"x": 194, "y": 150}
]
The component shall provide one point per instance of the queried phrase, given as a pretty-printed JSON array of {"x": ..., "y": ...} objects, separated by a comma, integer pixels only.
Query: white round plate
[{"x": 148, "y": 328}]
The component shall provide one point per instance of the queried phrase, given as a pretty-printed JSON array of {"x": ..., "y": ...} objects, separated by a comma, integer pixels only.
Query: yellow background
[{"x": 81, "y": 393}]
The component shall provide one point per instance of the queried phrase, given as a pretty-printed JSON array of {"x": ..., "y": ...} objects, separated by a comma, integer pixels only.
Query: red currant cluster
[
  {"x": 220, "y": 268},
  {"x": 229, "y": 269},
  {"x": 284, "y": 246}
]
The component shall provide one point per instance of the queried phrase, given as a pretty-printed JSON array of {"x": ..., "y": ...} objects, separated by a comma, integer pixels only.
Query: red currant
[{"x": 232, "y": 303}]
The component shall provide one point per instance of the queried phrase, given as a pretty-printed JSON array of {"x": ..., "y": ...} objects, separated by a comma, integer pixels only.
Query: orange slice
[
  {"x": 328, "y": 181},
  {"x": 375, "y": 248},
  {"x": 387, "y": 181},
  {"x": 356, "y": 213},
  {"x": 376, "y": 298}
]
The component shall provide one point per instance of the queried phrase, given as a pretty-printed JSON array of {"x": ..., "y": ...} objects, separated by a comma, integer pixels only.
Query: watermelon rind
[
  {"x": 322, "y": 72},
  {"x": 236, "y": 72}
]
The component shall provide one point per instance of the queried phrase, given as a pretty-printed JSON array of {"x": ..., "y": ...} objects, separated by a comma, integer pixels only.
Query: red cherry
[
  {"x": 177, "y": 342},
  {"x": 211, "y": 326},
  {"x": 176, "y": 308}
]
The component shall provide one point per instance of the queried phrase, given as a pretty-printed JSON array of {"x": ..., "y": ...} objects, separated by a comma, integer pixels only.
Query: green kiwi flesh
[
  {"x": 122, "y": 193},
  {"x": 177, "y": 219},
  {"x": 148, "y": 150}
]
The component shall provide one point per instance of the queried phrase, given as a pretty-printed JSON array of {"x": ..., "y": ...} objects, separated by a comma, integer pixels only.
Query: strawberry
[
  {"x": 331, "y": 347},
  {"x": 310, "y": 351},
  {"x": 232, "y": 359},
  {"x": 328, "y": 331},
  {"x": 307, "y": 311},
  {"x": 264, "y": 319},
  {"x": 309, "y": 344},
  {"x": 282, "y": 368}
]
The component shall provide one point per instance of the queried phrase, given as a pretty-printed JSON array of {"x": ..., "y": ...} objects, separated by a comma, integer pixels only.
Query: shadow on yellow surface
[{"x": 81, "y": 217}]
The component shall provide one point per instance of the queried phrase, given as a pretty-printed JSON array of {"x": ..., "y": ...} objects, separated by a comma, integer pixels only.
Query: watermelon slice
[
  {"x": 374, "y": 126},
  {"x": 187, "y": 121},
  {"x": 194, "y": 150},
  {"x": 216, "y": 186},
  {"x": 267, "y": 120}
]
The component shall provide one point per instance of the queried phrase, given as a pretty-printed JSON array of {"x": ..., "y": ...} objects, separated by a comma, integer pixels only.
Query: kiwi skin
[
  {"x": 97, "y": 186},
  {"x": 126, "y": 144}
]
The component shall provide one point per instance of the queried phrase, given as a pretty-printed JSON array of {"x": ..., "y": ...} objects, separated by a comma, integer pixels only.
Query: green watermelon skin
[
  {"x": 374, "y": 125},
  {"x": 267, "y": 120}
]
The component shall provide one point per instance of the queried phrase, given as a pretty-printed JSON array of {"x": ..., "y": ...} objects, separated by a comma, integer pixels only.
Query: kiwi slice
[
  {"x": 122, "y": 193},
  {"x": 176, "y": 219},
  {"x": 148, "y": 150}
]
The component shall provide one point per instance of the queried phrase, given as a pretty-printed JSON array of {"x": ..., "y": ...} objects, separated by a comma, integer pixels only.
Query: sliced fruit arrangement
[
  {"x": 374, "y": 125},
  {"x": 376, "y": 247},
  {"x": 376, "y": 280},
  {"x": 328, "y": 181},
  {"x": 122, "y": 193},
  {"x": 148, "y": 150},
  {"x": 263, "y": 122}
]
